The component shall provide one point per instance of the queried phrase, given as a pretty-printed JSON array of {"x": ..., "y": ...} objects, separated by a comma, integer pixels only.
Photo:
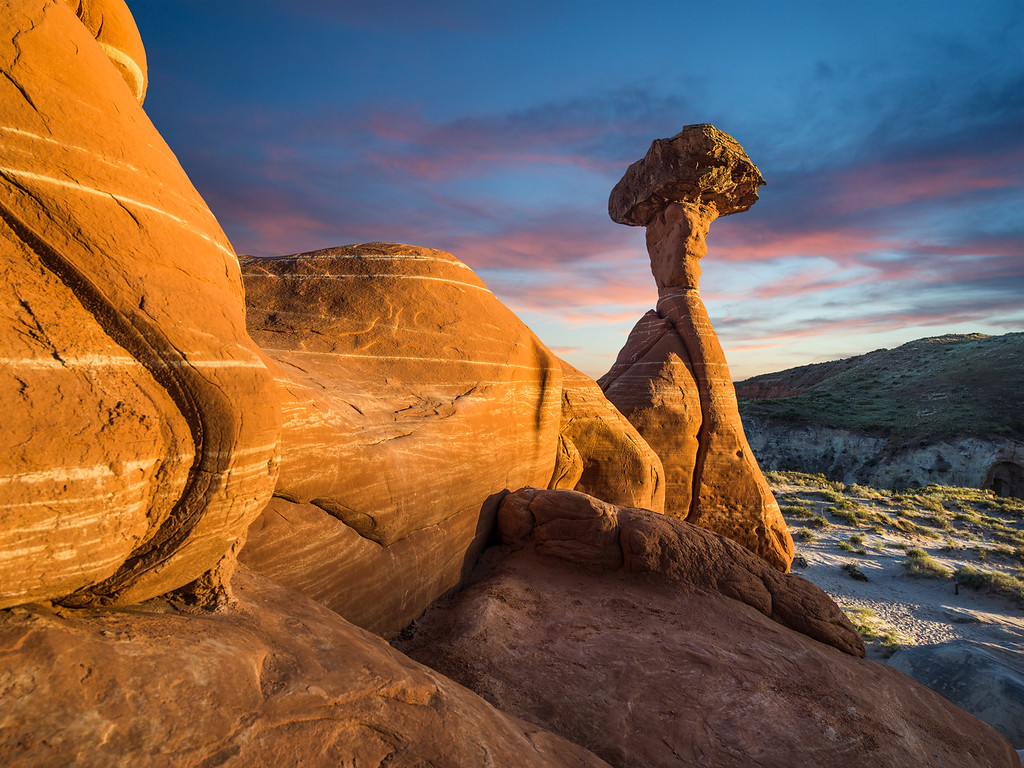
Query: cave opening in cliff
[{"x": 1006, "y": 478}]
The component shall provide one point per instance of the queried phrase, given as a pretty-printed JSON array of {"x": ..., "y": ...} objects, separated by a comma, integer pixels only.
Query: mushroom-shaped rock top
[{"x": 700, "y": 164}]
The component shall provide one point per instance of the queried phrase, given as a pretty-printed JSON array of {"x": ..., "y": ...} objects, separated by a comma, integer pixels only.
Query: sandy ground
[
  {"x": 891, "y": 608},
  {"x": 916, "y": 610},
  {"x": 921, "y": 611}
]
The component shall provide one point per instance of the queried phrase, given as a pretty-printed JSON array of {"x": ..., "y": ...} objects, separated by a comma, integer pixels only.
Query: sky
[{"x": 891, "y": 137}]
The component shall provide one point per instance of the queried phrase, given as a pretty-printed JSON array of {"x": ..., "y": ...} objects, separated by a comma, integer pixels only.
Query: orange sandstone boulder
[
  {"x": 652, "y": 382},
  {"x": 700, "y": 163},
  {"x": 654, "y": 642},
  {"x": 671, "y": 379},
  {"x": 615, "y": 463},
  {"x": 602, "y": 537},
  {"x": 272, "y": 680},
  {"x": 111, "y": 23},
  {"x": 413, "y": 400},
  {"x": 141, "y": 432}
]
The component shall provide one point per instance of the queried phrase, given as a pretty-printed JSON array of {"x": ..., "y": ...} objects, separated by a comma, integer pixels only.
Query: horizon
[
  {"x": 938, "y": 337},
  {"x": 889, "y": 137}
]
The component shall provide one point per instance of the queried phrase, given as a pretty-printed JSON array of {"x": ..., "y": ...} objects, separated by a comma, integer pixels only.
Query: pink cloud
[
  {"x": 415, "y": 147},
  {"x": 542, "y": 241},
  {"x": 849, "y": 247},
  {"x": 760, "y": 242},
  {"x": 908, "y": 181},
  {"x": 874, "y": 272},
  {"x": 453, "y": 162},
  {"x": 753, "y": 331}
]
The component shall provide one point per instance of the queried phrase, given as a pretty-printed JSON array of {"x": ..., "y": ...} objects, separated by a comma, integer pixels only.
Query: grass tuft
[
  {"x": 920, "y": 564},
  {"x": 868, "y": 625},
  {"x": 794, "y": 510},
  {"x": 992, "y": 581}
]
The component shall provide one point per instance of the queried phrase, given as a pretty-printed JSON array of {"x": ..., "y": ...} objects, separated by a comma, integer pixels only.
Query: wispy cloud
[{"x": 887, "y": 228}]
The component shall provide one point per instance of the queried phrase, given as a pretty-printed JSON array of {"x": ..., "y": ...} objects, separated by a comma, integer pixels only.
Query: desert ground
[{"x": 932, "y": 568}]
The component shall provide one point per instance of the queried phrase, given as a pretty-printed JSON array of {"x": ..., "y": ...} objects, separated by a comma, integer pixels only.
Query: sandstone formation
[
  {"x": 413, "y": 400},
  {"x": 675, "y": 647},
  {"x": 615, "y": 464},
  {"x": 984, "y": 679},
  {"x": 700, "y": 164},
  {"x": 141, "y": 441},
  {"x": 274, "y": 680},
  {"x": 602, "y": 537},
  {"x": 111, "y": 23},
  {"x": 140, "y": 434},
  {"x": 671, "y": 379},
  {"x": 654, "y": 385}
]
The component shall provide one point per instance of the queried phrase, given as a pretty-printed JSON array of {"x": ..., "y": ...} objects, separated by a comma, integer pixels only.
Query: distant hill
[
  {"x": 948, "y": 409},
  {"x": 926, "y": 390}
]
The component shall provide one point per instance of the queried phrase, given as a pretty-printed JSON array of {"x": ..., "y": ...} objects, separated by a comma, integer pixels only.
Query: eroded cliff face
[
  {"x": 944, "y": 409},
  {"x": 854, "y": 458}
]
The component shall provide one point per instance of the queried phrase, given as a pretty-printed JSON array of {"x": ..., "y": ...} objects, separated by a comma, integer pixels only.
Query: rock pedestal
[{"x": 671, "y": 379}]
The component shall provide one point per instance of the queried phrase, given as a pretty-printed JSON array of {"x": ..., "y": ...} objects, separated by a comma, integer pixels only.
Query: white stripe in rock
[{"x": 126, "y": 201}]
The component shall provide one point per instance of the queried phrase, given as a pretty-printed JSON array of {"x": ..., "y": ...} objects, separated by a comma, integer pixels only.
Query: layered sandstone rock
[
  {"x": 652, "y": 382},
  {"x": 274, "y": 680},
  {"x": 140, "y": 438},
  {"x": 602, "y": 537},
  {"x": 413, "y": 400},
  {"x": 654, "y": 642},
  {"x": 671, "y": 379},
  {"x": 615, "y": 463},
  {"x": 111, "y": 23}
]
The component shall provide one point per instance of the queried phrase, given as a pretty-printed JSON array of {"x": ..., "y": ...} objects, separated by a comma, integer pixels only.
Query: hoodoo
[{"x": 671, "y": 379}]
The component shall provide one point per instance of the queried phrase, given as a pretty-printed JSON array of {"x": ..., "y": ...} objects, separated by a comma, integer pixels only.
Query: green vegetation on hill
[{"x": 947, "y": 386}]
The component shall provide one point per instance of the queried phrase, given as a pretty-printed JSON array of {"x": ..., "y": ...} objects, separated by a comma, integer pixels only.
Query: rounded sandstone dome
[{"x": 113, "y": 26}]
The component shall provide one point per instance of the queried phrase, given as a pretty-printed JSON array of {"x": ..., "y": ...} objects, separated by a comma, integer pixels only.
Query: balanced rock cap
[{"x": 700, "y": 164}]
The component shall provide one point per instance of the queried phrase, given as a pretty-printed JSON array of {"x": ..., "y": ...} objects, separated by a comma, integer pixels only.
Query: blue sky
[{"x": 891, "y": 136}]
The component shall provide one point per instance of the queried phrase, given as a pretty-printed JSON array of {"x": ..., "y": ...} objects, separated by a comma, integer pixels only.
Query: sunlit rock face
[
  {"x": 141, "y": 430},
  {"x": 111, "y": 23},
  {"x": 654, "y": 642},
  {"x": 272, "y": 680},
  {"x": 652, "y": 382},
  {"x": 413, "y": 400},
  {"x": 671, "y": 379},
  {"x": 615, "y": 463}
]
